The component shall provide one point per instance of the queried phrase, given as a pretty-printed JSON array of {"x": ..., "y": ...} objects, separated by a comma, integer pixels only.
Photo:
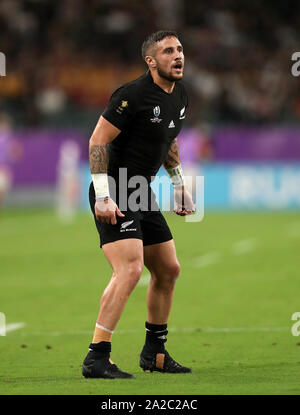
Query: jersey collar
[{"x": 150, "y": 79}]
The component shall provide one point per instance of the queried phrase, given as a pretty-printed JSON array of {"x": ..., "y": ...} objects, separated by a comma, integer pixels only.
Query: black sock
[
  {"x": 155, "y": 337},
  {"x": 101, "y": 348}
]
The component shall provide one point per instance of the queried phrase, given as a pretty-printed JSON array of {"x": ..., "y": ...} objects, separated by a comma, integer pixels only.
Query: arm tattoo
[
  {"x": 172, "y": 159},
  {"x": 98, "y": 158}
]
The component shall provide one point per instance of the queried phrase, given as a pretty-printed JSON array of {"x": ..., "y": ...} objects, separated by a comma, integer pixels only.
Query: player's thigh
[
  {"x": 125, "y": 255},
  {"x": 161, "y": 260}
]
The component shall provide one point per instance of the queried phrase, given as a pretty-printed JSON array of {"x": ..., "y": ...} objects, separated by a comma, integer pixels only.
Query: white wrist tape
[
  {"x": 176, "y": 175},
  {"x": 101, "y": 187}
]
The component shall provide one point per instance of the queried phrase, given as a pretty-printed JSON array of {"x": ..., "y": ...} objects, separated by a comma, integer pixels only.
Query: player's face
[{"x": 169, "y": 59}]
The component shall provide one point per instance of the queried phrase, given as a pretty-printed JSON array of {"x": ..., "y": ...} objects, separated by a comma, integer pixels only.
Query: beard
[{"x": 165, "y": 75}]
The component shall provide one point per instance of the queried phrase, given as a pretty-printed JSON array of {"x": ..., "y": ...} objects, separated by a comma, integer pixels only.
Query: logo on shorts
[
  {"x": 124, "y": 226},
  {"x": 156, "y": 112}
]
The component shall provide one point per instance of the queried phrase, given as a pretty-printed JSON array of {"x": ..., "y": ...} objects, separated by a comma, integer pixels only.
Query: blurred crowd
[{"x": 64, "y": 58}]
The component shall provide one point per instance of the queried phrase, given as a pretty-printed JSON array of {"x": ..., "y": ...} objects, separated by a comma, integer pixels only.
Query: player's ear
[{"x": 150, "y": 61}]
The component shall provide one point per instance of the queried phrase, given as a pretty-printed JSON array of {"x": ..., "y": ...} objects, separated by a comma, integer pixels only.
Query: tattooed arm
[
  {"x": 98, "y": 158},
  {"x": 183, "y": 200},
  {"x": 173, "y": 166},
  {"x": 172, "y": 160},
  {"x": 103, "y": 134},
  {"x": 105, "y": 208}
]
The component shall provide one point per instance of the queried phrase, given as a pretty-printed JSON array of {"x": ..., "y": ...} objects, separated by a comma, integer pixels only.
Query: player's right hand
[{"x": 106, "y": 210}]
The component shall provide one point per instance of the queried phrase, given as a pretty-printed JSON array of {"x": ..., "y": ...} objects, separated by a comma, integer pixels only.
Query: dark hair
[{"x": 154, "y": 38}]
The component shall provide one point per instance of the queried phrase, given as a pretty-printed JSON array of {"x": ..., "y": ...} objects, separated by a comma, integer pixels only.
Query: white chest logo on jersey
[
  {"x": 171, "y": 125},
  {"x": 156, "y": 112},
  {"x": 182, "y": 114}
]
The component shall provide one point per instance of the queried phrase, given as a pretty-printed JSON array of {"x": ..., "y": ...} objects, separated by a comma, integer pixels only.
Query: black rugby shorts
[{"x": 149, "y": 226}]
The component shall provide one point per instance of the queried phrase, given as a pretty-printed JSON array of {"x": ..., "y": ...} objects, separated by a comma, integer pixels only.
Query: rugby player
[{"x": 137, "y": 132}]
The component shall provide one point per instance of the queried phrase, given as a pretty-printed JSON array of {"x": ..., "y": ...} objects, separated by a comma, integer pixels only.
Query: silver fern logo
[
  {"x": 182, "y": 113},
  {"x": 125, "y": 224}
]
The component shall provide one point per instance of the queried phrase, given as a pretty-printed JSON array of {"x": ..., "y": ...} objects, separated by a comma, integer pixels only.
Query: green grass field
[{"x": 231, "y": 318}]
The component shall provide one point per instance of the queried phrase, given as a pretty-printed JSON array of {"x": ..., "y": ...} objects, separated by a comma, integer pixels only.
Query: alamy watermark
[
  {"x": 133, "y": 194},
  {"x": 296, "y": 326},
  {"x": 296, "y": 66},
  {"x": 2, "y": 64},
  {"x": 2, "y": 324}
]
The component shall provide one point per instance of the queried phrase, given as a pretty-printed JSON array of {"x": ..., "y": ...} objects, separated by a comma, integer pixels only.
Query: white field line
[
  {"x": 144, "y": 280},
  {"x": 244, "y": 329},
  {"x": 171, "y": 330},
  {"x": 244, "y": 246},
  {"x": 207, "y": 259},
  {"x": 240, "y": 247},
  {"x": 14, "y": 326}
]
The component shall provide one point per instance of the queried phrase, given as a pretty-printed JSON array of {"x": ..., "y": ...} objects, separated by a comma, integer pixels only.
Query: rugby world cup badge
[{"x": 156, "y": 112}]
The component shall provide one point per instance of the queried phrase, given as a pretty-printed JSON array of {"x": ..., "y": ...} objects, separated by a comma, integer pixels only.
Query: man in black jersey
[{"x": 135, "y": 135}]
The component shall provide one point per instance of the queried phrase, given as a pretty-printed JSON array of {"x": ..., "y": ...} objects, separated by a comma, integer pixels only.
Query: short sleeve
[{"x": 121, "y": 107}]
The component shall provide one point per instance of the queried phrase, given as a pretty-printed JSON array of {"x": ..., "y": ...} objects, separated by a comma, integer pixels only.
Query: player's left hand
[{"x": 184, "y": 204}]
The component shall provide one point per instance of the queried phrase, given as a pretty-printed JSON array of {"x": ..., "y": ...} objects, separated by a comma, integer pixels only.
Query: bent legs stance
[
  {"x": 127, "y": 258},
  {"x": 161, "y": 261}
]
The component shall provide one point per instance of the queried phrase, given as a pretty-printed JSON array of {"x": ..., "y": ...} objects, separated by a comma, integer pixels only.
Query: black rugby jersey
[{"x": 149, "y": 119}]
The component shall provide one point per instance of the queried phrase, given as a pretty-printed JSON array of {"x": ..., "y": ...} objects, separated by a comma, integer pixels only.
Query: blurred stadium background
[
  {"x": 242, "y": 132},
  {"x": 64, "y": 59}
]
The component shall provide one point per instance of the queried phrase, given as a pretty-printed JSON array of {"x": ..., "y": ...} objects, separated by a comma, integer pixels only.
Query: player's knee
[
  {"x": 167, "y": 279},
  {"x": 174, "y": 270},
  {"x": 172, "y": 273},
  {"x": 134, "y": 272}
]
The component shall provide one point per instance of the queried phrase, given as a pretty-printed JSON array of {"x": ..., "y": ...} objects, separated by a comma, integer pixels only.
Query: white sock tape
[{"x": 103, "y": 328}]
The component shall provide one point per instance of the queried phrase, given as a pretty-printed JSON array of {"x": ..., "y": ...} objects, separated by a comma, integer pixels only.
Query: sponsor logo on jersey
[
  {"x": 171, "y": 125},
  {"x": 182, "y": 113},
  {"x": 122, "y": 106},
  {"x": 124, "y": 226},
  {"x": 156, "y": 112}
]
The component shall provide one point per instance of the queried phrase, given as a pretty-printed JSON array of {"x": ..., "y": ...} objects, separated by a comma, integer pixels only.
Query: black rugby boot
[
  {"x": 97, "y": 364},
  {"x": 154, "y": 356},
  {"x": 160, "y": 362}
]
